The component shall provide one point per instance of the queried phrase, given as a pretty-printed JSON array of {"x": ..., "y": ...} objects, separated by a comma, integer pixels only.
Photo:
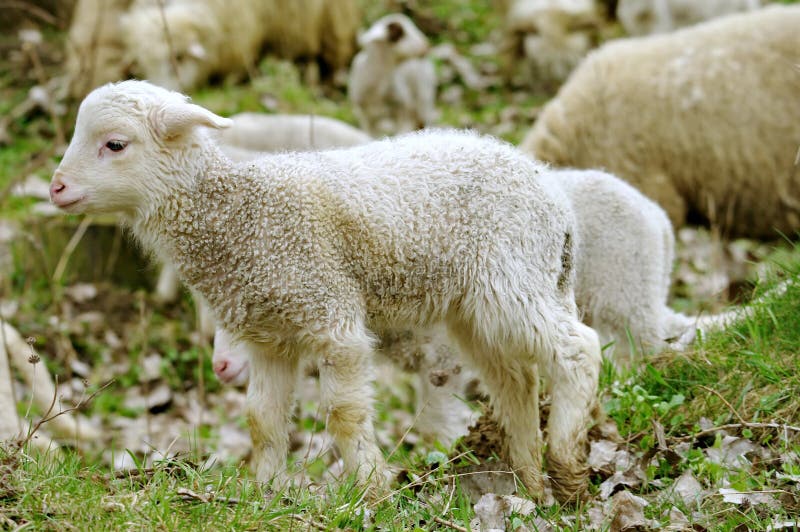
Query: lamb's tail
[{"x": 702, "y": 325}]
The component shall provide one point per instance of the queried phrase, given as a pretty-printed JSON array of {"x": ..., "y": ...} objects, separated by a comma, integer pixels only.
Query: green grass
[{"x": 753, "y": 366}]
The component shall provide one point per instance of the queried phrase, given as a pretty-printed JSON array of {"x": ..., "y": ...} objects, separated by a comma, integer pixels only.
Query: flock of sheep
[{"x": 308, "y": 241}]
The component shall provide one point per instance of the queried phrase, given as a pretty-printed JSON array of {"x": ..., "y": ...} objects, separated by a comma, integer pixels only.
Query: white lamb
[
  {"x": 259, "y": 132},
  {"x": 191, "y": 40},
  {"x": 307, "y": 253},
  {"x": 623, "y": 266},
  {"x": 646, "y": 17},
  {"x": 392, "y": 83}
]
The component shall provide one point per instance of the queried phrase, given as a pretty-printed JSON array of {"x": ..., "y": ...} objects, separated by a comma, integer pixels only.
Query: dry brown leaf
[
  {"x": 489, "y": 477},
  {"x": 493, "y": 511},
  {"x": 677, "y": 521},
  {"x": 596, "y": 515},
  {"x": 734, "y": 452},
  {"x": 628, "y": 512},
  {"x": 601, "y": 456},
  {"x": 631, "y": 479},
  {"x": 688, "y": 489}
]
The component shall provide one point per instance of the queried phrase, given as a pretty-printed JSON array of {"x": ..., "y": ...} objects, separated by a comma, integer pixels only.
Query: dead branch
[
  {"x": 712, "y": 430},
  {"x": 449, "y": 524},
  {"x": 41, "y": 77},
  {"x": 721, "y": 398},
  {"x": 188, "y": 494}
]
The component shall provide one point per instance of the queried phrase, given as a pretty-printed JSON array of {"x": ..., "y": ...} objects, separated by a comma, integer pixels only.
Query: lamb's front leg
[
  {"x": 270, "y": 395},
  {"x": 345, "y": 376}
]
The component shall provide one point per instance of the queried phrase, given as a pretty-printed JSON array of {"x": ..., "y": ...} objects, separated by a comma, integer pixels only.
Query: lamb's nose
[
  {"x": 56, "y": 188},
  {"x": 220, "y": 367}
]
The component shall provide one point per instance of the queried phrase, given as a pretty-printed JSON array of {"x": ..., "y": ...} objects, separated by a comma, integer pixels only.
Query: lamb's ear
[{"x": 173, "y": 120}]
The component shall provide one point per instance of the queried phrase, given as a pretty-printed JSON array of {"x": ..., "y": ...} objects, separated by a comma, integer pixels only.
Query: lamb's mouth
[
  {"x": 235, "y": 376},
  {"x": 68, "y": 206}
]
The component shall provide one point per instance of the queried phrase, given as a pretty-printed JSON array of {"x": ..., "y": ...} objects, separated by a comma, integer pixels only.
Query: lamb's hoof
[
  {"x": 533, "y": 482},
  {"x": 568, "y": 479}
]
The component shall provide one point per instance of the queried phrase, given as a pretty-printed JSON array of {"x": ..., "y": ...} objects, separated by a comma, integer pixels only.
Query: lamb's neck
[
  {"x": 383, "y": 55},
  {"x": 178, "y": 211}
]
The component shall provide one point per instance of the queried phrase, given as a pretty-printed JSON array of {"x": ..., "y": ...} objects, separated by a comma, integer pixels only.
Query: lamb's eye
[{"x": 116, "y": 145}]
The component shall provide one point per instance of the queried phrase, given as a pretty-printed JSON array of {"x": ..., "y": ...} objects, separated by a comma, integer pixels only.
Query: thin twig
[
  {"x": 173, "y": 60},
  {"x": 206, "y": 497},
  {"x": 308, "y": 522},
  {"x": 41, "y": 77},
  {"x": 721, "y": 398},
  {"x": 411, "y": 426},
  {"x": 34, "y": 361},
  {"x": 70, "y": 248},
  {"x": 47, "y": 412},
  {"x": 125, "y": 473},
  {"x": 712, "y": 430},
  {"x": 48, "y": 417},
  {"x": 449, "y": 524}
]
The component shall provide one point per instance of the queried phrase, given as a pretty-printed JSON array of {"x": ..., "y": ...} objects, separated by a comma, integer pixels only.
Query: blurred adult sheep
[
  {"x": 95, "y": 50},
  {"x": 645, "y": 17},
  {"x": 392, "y": 83},
  {"x": 186, "y": 42},
  {"x": 703, "y": 120},
  {"x": 545, "y": 39}
]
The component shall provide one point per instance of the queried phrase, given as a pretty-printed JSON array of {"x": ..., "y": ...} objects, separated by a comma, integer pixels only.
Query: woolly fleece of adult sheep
[{"x": 702, "y": 120}]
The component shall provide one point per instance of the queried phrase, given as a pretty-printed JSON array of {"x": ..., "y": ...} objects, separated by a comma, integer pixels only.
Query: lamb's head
[
  {"x": 399, "y": 33},
  {"x": 230, "y": 361},
  {"x": 133, "y": 143}
]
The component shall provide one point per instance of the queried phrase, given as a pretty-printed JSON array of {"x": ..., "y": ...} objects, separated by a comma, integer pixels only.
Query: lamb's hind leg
[
  {"x": 573, "y": 374},
  {"x": 345, "y": 375},
  {"x": 512, "y": 382}
]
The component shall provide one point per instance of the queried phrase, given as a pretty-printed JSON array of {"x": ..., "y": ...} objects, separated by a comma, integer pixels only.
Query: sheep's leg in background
[
  {"x": 270, "y": 395},
  {"x": 206, "y": 322},
  {"x": 442, "y": 413},
  {"x": 573, "y": 373},
  {"x": 346, "y": 391},
  {"x": 167, "y": 285}
]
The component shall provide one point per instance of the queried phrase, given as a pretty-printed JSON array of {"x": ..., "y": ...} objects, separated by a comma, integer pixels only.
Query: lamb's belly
[{"x": 392, "y": 310}]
